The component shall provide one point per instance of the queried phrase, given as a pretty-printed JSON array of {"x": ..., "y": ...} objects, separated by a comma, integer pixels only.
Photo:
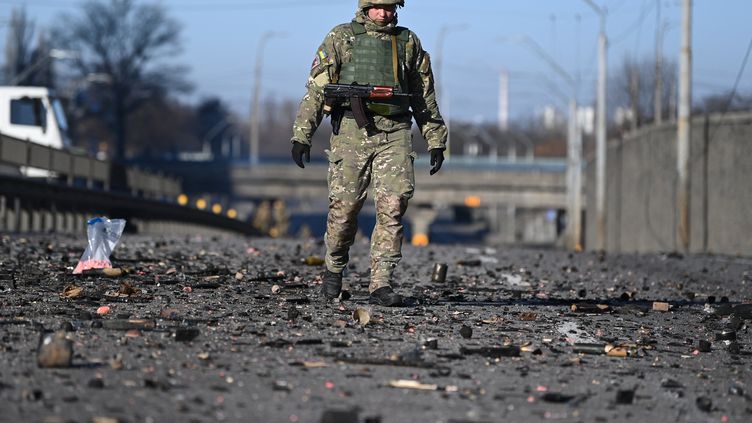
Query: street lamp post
[
  {"x": 439, "y": 79},
  {"x": 600, "y": 143},
  {"x": 254, "y": 135},
  {"x": 574, "y": 144}
]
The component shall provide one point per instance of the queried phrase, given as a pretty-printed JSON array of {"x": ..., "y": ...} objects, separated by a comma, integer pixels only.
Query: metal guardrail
[
  {"x": 29, "y": 205},
  {"x": 71, "y": 167},
  {"x": 151, "y": 185},
  {"x": 68, "y": 165},
  {"x": 78, "y": 187}
]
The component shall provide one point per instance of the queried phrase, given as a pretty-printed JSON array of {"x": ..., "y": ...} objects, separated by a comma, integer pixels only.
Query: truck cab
[{"x": 33, "y": 114}]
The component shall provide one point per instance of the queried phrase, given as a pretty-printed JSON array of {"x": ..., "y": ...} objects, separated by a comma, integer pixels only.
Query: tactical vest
[{"x": 379, "y": 62}]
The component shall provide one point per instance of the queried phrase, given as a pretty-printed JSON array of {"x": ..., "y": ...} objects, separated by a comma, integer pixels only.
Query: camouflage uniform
[{"x": 384, "y": 157}]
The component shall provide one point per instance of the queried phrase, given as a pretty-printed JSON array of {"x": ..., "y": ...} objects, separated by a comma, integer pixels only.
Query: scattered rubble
[
  {"x": 226, "y": 329},
  {"x": 55, "y": 350}
]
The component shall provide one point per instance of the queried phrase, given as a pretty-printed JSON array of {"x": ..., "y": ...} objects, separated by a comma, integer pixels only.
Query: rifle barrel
[{"x": 362, "y": 91}]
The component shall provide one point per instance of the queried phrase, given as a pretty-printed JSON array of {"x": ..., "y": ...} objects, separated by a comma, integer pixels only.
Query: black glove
[
  {"x": 437, "y": 158},
  {"x": 298, "y": 151}
]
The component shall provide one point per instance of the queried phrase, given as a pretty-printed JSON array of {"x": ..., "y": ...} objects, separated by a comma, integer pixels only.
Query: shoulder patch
[{"x": 321, "y": 57}]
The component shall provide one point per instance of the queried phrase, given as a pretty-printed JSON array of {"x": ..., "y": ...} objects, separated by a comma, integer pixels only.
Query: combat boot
[
  {"x": 385, "y": 296},
  {"x": 331, "y": 286}
]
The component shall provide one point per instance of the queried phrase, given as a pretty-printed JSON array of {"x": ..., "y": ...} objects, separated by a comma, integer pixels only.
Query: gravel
[{"x": 194, "y": 331}]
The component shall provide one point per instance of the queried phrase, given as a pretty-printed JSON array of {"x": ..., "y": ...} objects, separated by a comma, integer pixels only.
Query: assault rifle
[{"x": 336, "y": 94}]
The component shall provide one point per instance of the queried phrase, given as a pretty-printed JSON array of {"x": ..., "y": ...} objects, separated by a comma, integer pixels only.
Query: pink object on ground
[
  {"x": 102, "y": 235},
  {"x": 91, "y": 264}
]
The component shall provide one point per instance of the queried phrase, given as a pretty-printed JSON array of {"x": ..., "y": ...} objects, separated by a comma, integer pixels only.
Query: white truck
[
  {"x": 33, "y": 114},
  {"x": 34, "y": 142}
]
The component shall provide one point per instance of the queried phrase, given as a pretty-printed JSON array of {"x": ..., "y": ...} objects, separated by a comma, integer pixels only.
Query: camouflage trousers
[{"x": 356, "y": 161}]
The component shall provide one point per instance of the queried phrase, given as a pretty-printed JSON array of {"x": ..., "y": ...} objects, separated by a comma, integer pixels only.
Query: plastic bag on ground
[{"x": 103, "y": 236}]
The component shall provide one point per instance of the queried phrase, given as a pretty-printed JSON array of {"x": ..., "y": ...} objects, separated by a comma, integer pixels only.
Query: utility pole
[
  {"x": 658, "y": 100},
  {"x": 600, "y": 143},
  {"x": 439, "y": 62},
  {"x": 634, "y": 93},
  {"x": 504, "y": 101},
  {"x": 439, "y": 79},
  {"x": 443, "y": 97},
  {"x": 574, "y": 179},
  {"x": 684, "y": 131},
  {"x": 255, "y": 116},
  {"x": 672, "y": 107}
]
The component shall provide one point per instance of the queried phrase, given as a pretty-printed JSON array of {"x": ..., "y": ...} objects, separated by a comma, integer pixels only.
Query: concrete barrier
[{"x": 641, "y": 178}]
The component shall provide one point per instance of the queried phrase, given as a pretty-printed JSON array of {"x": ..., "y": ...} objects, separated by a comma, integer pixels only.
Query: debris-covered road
[{"x": 231, "y": 329}]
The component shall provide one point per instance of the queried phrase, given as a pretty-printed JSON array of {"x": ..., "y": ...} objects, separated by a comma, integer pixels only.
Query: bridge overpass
[
  {"x": 534, "y": 184},
  {"x": 505, "y": 191}
]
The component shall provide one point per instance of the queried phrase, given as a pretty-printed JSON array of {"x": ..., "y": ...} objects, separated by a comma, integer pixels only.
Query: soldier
[{"x": 371, "y": 50}]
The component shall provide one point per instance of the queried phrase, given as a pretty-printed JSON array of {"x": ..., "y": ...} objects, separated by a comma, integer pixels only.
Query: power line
[
  {"x": 647, "y": 7},
  {"x": 267, "y": 5},
  {"x": 41, "y": 3},
  {"x": 199, "y": 5},
  {"x": 613, "y": 9},
  {"x": 639, "y": 28},
  {"x": 730, "y": 99},
  {"x": 738, "y": 78}
]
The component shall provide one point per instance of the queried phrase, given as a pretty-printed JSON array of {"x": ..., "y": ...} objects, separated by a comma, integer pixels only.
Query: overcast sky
[{"x": 220, "y": 39}]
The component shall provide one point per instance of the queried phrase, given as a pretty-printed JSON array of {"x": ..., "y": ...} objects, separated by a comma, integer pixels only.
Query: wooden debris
[
  {"x": 72, "y": 291},
  {"x": 412, "y": 384},
  {"x": 661, "y": 306}
]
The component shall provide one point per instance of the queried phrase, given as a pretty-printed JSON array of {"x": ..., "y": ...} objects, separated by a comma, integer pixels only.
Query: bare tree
[
  {"x": 633, "y": 89},
  {"x": 43, "y": 74},
  {"x": 26, "y": 64},
  {"x": 125, "y": 41},
  {"x": 725, "y": 102},
  {"x": 162, "y": 128},
  {"x": 18, "y": 45}
]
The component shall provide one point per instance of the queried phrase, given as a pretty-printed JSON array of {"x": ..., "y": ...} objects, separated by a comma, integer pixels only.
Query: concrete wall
[{"x": 641, "y": 177}]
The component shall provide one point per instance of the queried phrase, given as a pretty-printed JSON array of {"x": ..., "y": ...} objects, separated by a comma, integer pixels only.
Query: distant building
[
  {"x": 472, "y": 149},
  {"x": 623, "y": 116},
  {"x": 551, "y": 118},
  {"x": 586, "y": 120},
  {"x": 551, "y": 148}
]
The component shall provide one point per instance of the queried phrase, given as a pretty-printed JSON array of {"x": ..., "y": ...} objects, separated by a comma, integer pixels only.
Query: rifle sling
[{"x": 395, "y": 61}]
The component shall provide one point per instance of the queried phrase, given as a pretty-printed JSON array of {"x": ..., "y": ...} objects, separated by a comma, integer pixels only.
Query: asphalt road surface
[{"x": 232, "y": 329}]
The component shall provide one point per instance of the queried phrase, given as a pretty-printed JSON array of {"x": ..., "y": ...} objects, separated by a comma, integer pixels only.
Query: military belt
[{"x": 349, "y": 114}]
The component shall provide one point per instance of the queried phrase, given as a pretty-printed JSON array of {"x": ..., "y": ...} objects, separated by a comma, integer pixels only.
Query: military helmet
[{"x": 362, "y": 4}]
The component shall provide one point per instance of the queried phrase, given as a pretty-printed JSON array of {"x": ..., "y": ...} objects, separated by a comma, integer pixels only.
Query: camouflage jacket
[{"x": 336, "y": 49}]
